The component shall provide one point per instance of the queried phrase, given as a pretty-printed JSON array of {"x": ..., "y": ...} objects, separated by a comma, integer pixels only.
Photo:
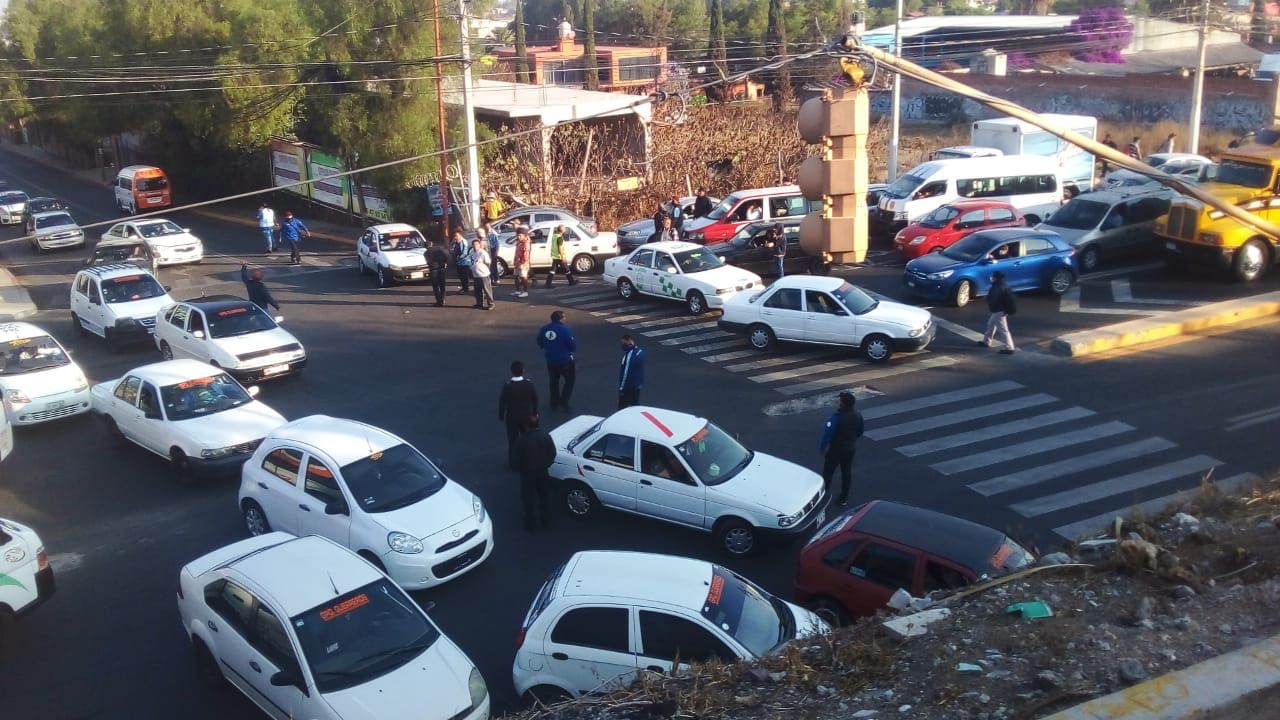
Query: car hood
[
  {"x": 139, "y": 309},
  {"x": 572, "y": 429},
  {"x": 644, "y": 226},
  {"x": 251, "y": 421},
  {"x": 253, "y": 342},
  {"x": 771, "y": 482},
  {"x": 908, "y": 316},
  {"x": 437, "y": 677},
  {"x": 915, "y": 229},
  {"x": 723, "y": 247},
  {"x": 168, "y": 241},
  {"x": 726, "y": 276},
  {"x": 54, "y": 229},
  {"x": 406, "y": 258},
  {"x": 450, "y": 505},
  {"x": 934, "y": 262},
  {"x": 49, "y": 381},
  {"x": 1071, "y": 235},
  {"x": 698, "y": 223}
]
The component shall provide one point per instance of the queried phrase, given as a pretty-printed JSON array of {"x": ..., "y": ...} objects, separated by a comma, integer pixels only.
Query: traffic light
[{"x": 838, "y": 121}]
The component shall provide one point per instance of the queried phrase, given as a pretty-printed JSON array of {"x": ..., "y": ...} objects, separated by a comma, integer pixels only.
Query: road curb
[
  {"x": 1172, "y": 324},
  {"x": 1240, "y": 684},
  {"x": 15, "y": 301}
]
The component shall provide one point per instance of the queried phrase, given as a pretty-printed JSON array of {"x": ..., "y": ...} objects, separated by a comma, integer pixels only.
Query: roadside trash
[
  {"x": 968, "y": 667},
  {"x": 1031, "y": 610},
  {"x": 902, "y": 601},
  {"x": 917, "y": 624}
]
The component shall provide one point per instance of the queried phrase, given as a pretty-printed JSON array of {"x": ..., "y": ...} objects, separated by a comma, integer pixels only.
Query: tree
[
  {"x": 777, "y": 48},
  {"x": 522, "y": 62},
  {"x": 589, "y": 45},
  {"x": 1099, "y": 34},
  {"x": 718, "y": 55}
]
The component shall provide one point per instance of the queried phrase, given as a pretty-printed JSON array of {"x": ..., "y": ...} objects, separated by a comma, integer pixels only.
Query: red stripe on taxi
[{"x": 648, "y": 416}]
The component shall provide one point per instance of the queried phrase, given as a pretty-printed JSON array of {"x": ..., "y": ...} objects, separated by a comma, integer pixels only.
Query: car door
[
  {"x": 1141, "y": 220},
  {"x": 590, "y": 647},
  {"x": 964, "y": 224},
  {"x": 1007, "y": 258},
  {"x": 664, "y": 279},
  {"x": 174, "y": 331},
  {"x": 878, "y": 570},
  {"x": 1037, "y": 264},
  {"x": 80, "y": 303},
  {"x": 96, "y": 314},
  {"x": 783, "y": 312},
  {"x": 540, "y": 247},
  {"x": 609, "y": 468},
  {"x": 271, "y": 650},
  {"x": 667, "y": 489},
  {"x": 365, "y": 251},
  {"x": 322, "y": 507},
  {"x": 278, "y": 488},
  {"x": 667, "y": 639},
  {"x": 826, "y": 320},
  {"x": 150, "y": 428},
  {"x": 639, "y": 265},
  {"x": 197, "y": 336},
  {"x": 1001, "y": 217},
  {"x": 124, "y": 406},
  {"x": 230, "y": 620}
]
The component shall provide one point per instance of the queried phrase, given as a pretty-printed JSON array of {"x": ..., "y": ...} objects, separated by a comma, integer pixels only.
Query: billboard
[
  {"x": 375, "y": 203},
  {"x": 288, "y": 163},
  {"x": 335, "y": 192}
]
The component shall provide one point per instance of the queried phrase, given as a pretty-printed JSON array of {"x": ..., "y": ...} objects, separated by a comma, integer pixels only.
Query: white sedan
[
  {"x": 194, "y": 414},
  {"x": 685, "y": 470},
  {"x": 584, "y": 248},
  {"x": 307, "y": 629},
  {"x": 828, "y": 311},
  {"x": 678, "y": 271},
  {"x": 369, "y": 490},
  {"x": 171, "y": 244},
  {"x": 231, "y": 334},
  {"x": 38, "y": 378},
  {"x": 394, "y": 252}
]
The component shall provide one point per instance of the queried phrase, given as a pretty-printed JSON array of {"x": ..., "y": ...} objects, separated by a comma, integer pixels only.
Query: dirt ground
[{"x": 1196, "y": 581}]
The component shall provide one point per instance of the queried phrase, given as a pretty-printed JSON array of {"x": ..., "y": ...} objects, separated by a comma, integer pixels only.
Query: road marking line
[
  {"x": 1102, "y": 521},
  {"x": 578, "y": 293},
  {"x": 929, "y": 401},
  {"x": 681, "y": 328},
  {"x": 738, "y": 342},
  {"x": 1031, "y": 447},
  {"x": 811, "y": 370},
  {"x": 897, "y": 369},
  {"x": 994, "y": 431},
  {"x": 735, "y": 355},
  {"x": 779, "y": 360},
  {"x": 1241, "y": 422},
  {"x": 1114, "y": 486},
  {"x": 1070, "y": 302},
  {"x": 603, "y": 304},
  {"x": 617, "y": 318},
  {"x": 1122, "y": 291},
  {"x": 947, "y": 325},
  {"x": 1121, "y": 271},
  {"x": 658, "y": 322},
  {"x": 825, "y": 400},
  {"x": 695, "y": 338},
  {"x": 956, "y": 417}
]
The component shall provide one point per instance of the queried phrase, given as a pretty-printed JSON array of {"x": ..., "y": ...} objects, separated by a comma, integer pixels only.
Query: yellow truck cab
[{"x": 1195, "y": 235}]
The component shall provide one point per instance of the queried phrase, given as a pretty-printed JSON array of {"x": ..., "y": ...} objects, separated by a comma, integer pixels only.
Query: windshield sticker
[
  {"x": 196, "y": 383},
  {"x": 714, "y": 469},
  {"x": 649, "y": 416},
  {"x": 124, "y": 279},
  {"x": 717, "y": 589},
  {"x": 19, "y": 342},
  {"x": 1001, "y": 554},
  {"x": 344, "y": 607},
  {"x": 232, "y": 311}
]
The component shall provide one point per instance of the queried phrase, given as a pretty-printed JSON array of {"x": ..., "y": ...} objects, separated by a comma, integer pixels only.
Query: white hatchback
[
  {"x": 604, "y": 616},
  {"x": 38, "y": 378},
  {"x": 117, "y": 302},
  {"x": 307, "y": 629},
  {"x": 171, "y": 244},
  {"x": 393, "y": 252},
  {"x": 680, "y": 271},
  {"x": 229, "y": 333},
  {"x": 370, "y": 491}
]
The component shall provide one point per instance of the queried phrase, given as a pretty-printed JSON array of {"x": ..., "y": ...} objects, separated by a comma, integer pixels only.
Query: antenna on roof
[{"x": 332, "y": 584}]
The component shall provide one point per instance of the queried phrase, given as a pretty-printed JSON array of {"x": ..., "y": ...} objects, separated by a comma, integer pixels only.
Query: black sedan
[{"x": 751, "y": 249}]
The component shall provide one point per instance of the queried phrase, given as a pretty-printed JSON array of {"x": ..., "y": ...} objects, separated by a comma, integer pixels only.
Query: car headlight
[
  {"x": 789, "y": 520},
  {"x": 81, "y": 385},
  {"x": 1216, "y": 214},
  {"x": 477, "y": 507},
  {"x": 917, "y": 239},
  {"x": 724, "y": 291},
  {"x": 395, "y": 268},
  {"x": 216, "y": 453},
  {"x": 475, "y": 684},
  {"x": 917, "y": 332},
  {"x": 404, "y": 544},
  {"x": 1210, "y": 239},
  {"x": 941, "y": 275},
  {"x": 17, "y": 397}
]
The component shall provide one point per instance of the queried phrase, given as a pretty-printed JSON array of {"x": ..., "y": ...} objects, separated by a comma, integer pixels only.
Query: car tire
[
  {"x": 210, "y": 674},
  {"x": 936, "y": 249},
  {"x": 180, "y": 463},
  {"x": 819, "y": 268},
  {"x": 500, "y": 268},
  {"x": 1089, "y": 258},
  {"x": 546, "y": 695},
  {"x": 384, "y": 278},
  {"x": 761, "y": 337},
  {"x": 735, "y": 537},
  {"x": 696, "y": 302},
  {"x": 255, "y": 519},
  {"x": 626, "y": 290},
  {"x": 114, "y": 344},
  {"x": 877, "y": 347},
  {"x": 114, "y": 432},
  {"x": 35, "y": 245},
  {"x": 832, "y": 611},
  {"x": 1250, "y": 262},
  {"x": 583, "y": 264},
  {"x": 80, "y": 329},
  {"x": 962, "y": 294},
  {"x": 1060, "y": 282},
  {"x": 579, "y": 499},
  {"x": 166, "y": 352}
]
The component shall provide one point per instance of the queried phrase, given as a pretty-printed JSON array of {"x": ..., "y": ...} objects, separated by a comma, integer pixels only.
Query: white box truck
[{"x": 1016, "y": 137}]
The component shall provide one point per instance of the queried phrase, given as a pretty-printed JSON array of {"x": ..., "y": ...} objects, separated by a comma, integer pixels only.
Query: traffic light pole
[
  {"x": 895, "y": 110},
  {"x": 838, "y": 121}
]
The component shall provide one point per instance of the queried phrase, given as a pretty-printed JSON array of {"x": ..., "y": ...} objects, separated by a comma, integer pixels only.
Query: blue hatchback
[{"x": 1030, "y": 260}]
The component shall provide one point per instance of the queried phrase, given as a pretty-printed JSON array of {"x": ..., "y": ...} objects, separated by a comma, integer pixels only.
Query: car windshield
[
  {"x": 402, "y": 241},
  {"x": 713, "y": 455},
  {"x": 1156, "y": 162},
  {"x": 362, "y": 635},
  {"x": 723, "y": 208},
  {"x": 855, "y": 298},
  {"x": 1010, "y": 556},
  {"x": 756, "y": 619},
  {"x": 940, "y": 217},
  {"x": 1251, "y": 175},
  {"x": 745, "y": 236},
  {"x": 54, "y": 220},
  {"x": 128, "y": 288},
  {"x": 153, "y": 183},
  {"x": 391, "y": 479},
  {"x": 159, "y": 229},
  {"x": 904, "y": 186},
  {"x": 239, "y": 320},
  {"x": 1079, "y": 214},
  {"x": 202, "y": 396},
  {"x": 26, "y": 355},
  {"x": 12, "y": 198},
  {"x": 46, "y": 205},
  {"x": 692, "y": 261},
  {"x": 968, "y": 248}
]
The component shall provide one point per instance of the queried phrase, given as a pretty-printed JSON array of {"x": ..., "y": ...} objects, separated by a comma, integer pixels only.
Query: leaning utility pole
[
  {"x": 895, "y": 112},
  {"x": 1197, "y": 92},
  {"x": 444, "y": 139},
  {"x": 469, "y": 114}
]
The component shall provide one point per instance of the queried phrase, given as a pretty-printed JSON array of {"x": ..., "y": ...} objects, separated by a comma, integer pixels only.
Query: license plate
[
  {"x": 153, "y": 201},
  {"x": 822, "y": 516},
  {"x": 1170, "y": 246},
  {"x": 275, "y": 370},
  {"x": 56, "y": 405},
  {"x": 415, "y": 276}
]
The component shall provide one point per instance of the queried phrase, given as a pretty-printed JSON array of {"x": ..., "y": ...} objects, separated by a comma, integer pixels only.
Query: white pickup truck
[{"x": 26, "y": 579}]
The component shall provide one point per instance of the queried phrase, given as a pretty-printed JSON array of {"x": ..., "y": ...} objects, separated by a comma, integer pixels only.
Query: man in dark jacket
[
  {"x": 517, "y": 405},
  {"x": 537, "y": 451},
  {"x": 558, "y": 346},
  {"x": 1002, "y": 303},
  {"x": 257, "y": 290},
  {"x": 839, "y": 441},
  {"x": 438, "y": 260},
  {"x": 630, "y": 373},
  {"x": 702, "y": 205}
]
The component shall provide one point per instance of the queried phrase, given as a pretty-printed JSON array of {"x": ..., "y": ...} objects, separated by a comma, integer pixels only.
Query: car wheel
[
  {"x": 114, "y": 344},
  {"x": 936, "y": 249},
  {"x": 579, "y": 498},
  {"x": 1250, "y": 262},
  {"x": 584, "y": 264},
  {"x": 255, "y": 519},
  {"x": 1032, "y": 220},
  {"x": 830, "y": 610},
  {"x": 963, "y": 293},
  {"x": 79, "y": 326},
  {"x": 166, "y": 352},
  {"x": 500, "y": 267},
  {"x": 546, "y": 695},
  {"x": 761, "y": 337},
  {"x": 1089, "y": 258},
  {"x": 626, "y": 289},
  {"x": 696, "y": 302},
  {"x": 35, "y": 245},
  {"x": 384, "y": 278},
  {"x": 113, "y": 431},
  {"x": 878, "y": 348},
  {"x": 1061, "y": 281},
  {"x": 180, "y": 463},
  {"x": 736, "y": 537},
  {"x": 210, "y": 674}
]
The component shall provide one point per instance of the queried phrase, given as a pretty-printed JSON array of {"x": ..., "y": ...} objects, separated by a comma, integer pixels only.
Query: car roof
[
  {"x": 216, "y": 302},
  {"x": 344, "y": 441},
  {"x": 302, "y": 572},
  {"x": 171, "y": 372},
  {"x": 677, "y": 581},
  {"x": 119, "y": 242},
  {"x": 672, "y": 245},
  {"x": 151, "y": 221},
  {"x": 394, "y": 227},
  {"x": 754, "y": 193},
  {"x": 4, "y": 193},
  {"x": 106, "y": 272},
  {"x": 809, "y": 282},
  {"x": 42, "y": 198},
  {"x": 655, "y": 424},
  {"x": 997, "y": 235},
  {"x": 19, "y": 330},
  {"x": 1111, "y": 196},
  {"x": 947, "y": 536},
  {"x": 51, "y": 213},
  {"x": 536, "y": 208},
  {"x": 975, "y": 203}
]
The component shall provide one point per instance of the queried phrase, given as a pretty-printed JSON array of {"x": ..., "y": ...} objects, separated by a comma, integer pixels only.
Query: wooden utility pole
[{"x": 444, "y": 136}]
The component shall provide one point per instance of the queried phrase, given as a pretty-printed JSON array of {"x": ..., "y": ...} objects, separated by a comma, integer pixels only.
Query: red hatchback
[
  {"x": 952, "y": 221},
  {"x": 855, "y": 563}
]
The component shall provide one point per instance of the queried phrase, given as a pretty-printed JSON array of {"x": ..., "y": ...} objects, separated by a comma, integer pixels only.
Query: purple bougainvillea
[{"x": 1099, "y": 34}]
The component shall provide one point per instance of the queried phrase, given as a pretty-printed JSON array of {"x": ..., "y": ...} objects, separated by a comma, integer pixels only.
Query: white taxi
[
  {"x": 118, "y": 303},
  {"x": 367, "y": 489},
  {"x": 603, "y": 615},
  {"x": 55, "y": 229},
  {"x": 394, "y": 252},
  {"x": 194, "y": 414},
  {"x": 171, "y": 244},
  {"x": 307, "y": 629},
  {"x": 26, "y": 578},
  {"x": 13, "y": 206},
  {"x": 584, "y": 247},
  {"x": 678, "y": 271},
  {"x": 231, "y": 334},
  {"x": 828, "y": 311},
  {"x": 685, "y": 470},
  {"x": 39, "y": 380}
]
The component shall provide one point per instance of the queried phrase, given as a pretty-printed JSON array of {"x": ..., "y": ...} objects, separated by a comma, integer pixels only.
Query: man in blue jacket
[
  {"x": 557, "y": 343},
  {"x": 839, "y": 439},
  {"x": 630, "y": 373},
  {"x": 292, "y": 230}
]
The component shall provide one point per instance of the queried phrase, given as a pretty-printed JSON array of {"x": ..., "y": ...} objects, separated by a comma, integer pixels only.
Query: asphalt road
[{"x": 1028, "y": 443}]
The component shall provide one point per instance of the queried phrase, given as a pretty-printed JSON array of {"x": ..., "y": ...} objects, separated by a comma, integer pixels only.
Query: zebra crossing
[
  {"x": 791, "y": 370},
  {"x": 1048, "y": 460}
]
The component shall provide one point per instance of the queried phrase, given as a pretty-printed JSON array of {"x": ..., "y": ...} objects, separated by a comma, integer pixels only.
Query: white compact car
[
  {"x": 39, "y": 380},
  {"x": 604, "y": 615},
  {"x": 307, "y": 629},
  {"x": 683, "y": 469},
  {"x": 13, "y": 205},
  {"x": 678, "y": 271},
  {"x": 55, "y": 229},
  {"x": 171, "y": 244},
  {"x": 394, "y": 253},
  {"x": 118, "y": 303},
  {"x": 368, "y": 490},
  {"x": 828, "y": 311},
  {"x": 26, "y": 578},
  {"x": 584, "y": 247},
  {"x": 231, "y": 334},
  {"x": 194, "y": 414}
]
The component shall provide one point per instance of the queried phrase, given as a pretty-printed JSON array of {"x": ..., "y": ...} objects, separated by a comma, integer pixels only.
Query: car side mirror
[
  {"x": 198, "y": 334},
  {"x": 287, "y": 678},
  {"x": 152, "y": 415},
  {"x": 167, "y": 288},
  {"x": 186, "y": 230},
  {"x": 95, "y": 301},
  {"x": 987, "y": 261},
  {"x": 278, "y": 318},
  {"x": 253, "y": 390},
  {"x": 335, "y": 507}
]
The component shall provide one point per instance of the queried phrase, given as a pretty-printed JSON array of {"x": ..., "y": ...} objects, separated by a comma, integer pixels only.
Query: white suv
[
  {"x": 55, "y": 229},
  {"x": 118, "y": 303},
  {"x": 38, "y": 378}
]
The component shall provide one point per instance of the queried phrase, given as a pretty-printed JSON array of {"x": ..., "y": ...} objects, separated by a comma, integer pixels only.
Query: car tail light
[
  {"x": 520, "y": 638},
  {"x": 42, "y": 559}
]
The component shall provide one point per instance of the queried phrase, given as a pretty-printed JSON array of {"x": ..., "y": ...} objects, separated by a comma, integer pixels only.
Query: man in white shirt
[
  {"x": 267, "y": 225},
  {"x": 480, "y": 274}
]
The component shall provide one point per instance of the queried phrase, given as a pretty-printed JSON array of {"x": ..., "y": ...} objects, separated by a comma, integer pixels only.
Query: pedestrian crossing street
[
  {"x": 792, "y": 370},
  {"x": 1052, "y": 462}
]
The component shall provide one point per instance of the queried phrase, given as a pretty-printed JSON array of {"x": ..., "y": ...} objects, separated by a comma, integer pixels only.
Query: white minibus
[{"x": 1028, "y": 182}]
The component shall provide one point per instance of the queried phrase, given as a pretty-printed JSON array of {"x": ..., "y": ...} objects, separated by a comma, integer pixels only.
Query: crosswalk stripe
[
  {"x": 604, "y": 304},
  {"x": 618, "y": 318},
  {"x": 694, "y": 350},
  {"x": 1115, "y": 486},
  {"x": 735, "y": 355},
  {"x": 686, "y": 339},
  {"x": 956, "y": 417},
  {"x": 658, "y": 322},
  {"x": 1079, "y": 463},
  {"x": 994, "y": 431},
  {"x": 587, "y": 290},
  {"x": 1098, "y": 523},
  {"x": 777, "y": 360},
  {"x": 930, "y": 401},
  {"x": 1031, "y": 447},
  {"x": 848, "y": 380},
  {"x": 801, "y": 372},
  {"x": 681, "y": 328}
]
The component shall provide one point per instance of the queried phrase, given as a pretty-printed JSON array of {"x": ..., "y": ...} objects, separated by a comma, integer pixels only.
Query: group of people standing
[
  {"x": 478, "y": 267},
  {"x": 288, "y": 231},
  {"x": 669, "y": 219}
]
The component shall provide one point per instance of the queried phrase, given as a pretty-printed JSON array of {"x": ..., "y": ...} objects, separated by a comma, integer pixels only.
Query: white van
[{"x": 1028, "y": 182}]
